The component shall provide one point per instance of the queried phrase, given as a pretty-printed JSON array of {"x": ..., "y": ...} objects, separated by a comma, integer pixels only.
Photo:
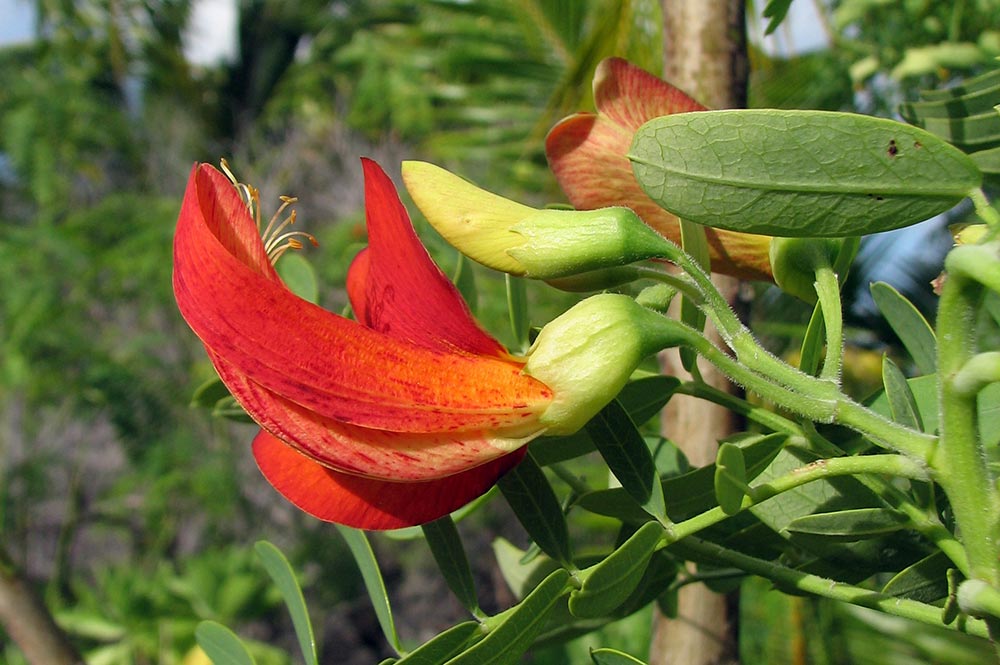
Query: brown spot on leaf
[{"x": 893, "y": 149}]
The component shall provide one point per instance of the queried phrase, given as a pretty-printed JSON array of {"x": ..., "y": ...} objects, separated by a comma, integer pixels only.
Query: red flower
[
  {"x": 392, "y": 420},
  {"x": 588, "y": 154}
]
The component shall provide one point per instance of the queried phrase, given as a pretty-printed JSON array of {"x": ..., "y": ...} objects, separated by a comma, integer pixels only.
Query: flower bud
[
  {"x": 517, "y": 239},
  {"x": 795, "y": 260},
  {"x": 588, "y": 354}
]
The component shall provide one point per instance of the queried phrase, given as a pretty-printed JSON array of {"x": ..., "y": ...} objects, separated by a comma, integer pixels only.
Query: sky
[{"x": 212, "y": 33}]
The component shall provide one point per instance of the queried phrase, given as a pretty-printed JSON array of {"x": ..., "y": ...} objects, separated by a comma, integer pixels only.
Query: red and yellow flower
[
  {"x": 391, "y": 420},
  {"x": 588, "y": 154}
]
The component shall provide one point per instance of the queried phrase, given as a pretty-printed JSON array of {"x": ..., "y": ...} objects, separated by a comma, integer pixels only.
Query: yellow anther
[{"x": 276, "y": 243}]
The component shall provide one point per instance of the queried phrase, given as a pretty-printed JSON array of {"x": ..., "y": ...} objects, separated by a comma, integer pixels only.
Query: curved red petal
[
  {"x": 370, "y": 452},
  {"x": 406, "y": 294},
  {"x": 630, "y": 96},
  {"x": 357, "y": 284},
  {"x": 364, "y": 503},
  {"x": 229, "y": 295}
]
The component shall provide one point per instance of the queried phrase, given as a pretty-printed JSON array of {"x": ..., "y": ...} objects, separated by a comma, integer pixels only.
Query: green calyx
[
  {"x": 588, "y": 354},
  {"x": 794, "y": 262},
  {"x": 562, "y": 243}
]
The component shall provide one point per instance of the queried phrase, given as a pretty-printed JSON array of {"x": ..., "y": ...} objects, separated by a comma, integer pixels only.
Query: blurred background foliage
[{"x": 134, "y": 513}]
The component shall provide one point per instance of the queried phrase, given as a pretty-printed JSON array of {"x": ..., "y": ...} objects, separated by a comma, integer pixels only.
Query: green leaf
[
  {"x": 613, "y": 657},
  {"x": 465, "y": 281},
  {"x": 730, "y": 478},
  {"x": 775, "y": 11},
  {"x": 690, "y": 493},
  {"x": 975, "y": 132},
  {"x": 530, "y": 496},
  {"x": 924, "y": 581},
  {"x": 222, "y": 645},
  {"x": 551, "y": 449},
  {"x": 813, "y": 343},
  {"x": 512, "y": 632},
  {"x": 372, "y": 576},
  {"x": 445, "y": 645},
  {"x": 924, "y": 390},
  {"x": 850, "y": 525},
  {"x": 970, "y": 86},
  {"x": 517, "y": 310},
  {"x": 608, "y": 584},
  {"x": 446, "y": 546},
  {"x": 959, "y": 106},
  {"x": 521, "y": 574},
  {"x": 902, "y": 403},
  {"x": 299, "y": 276},
  {"x": 625, "y": 451},
  {"x": 798, "y": 173},
  {"x": 281, "y": 572},
  {"x": 988, "y": 161},
  {"x": 646, "y": 397},
  {"x": 208, "y": 394},
  {"x": 909, "y": 325}
]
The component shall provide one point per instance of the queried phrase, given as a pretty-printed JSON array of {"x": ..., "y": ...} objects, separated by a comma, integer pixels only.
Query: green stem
[
  {"x": 827, "y": 588},
  {"x": 828, "y": 291},
  {"x": 926, "y": 523},
  {"x": 892, "y": 465},
  {"x": 985, "y": 211},
  {"x": 808, "y": 396},
  {"x": 959, "y": 463}
]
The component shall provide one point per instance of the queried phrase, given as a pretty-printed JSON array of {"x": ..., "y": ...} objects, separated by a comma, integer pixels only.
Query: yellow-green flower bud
[
  {"x": 795, "y": 261},
  {"x": 520, "y": 240},
  {"x": 588, "y": 354}
]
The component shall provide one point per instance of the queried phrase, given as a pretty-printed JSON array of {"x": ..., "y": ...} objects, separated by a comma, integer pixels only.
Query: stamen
[{"x": 276, "y": 243}]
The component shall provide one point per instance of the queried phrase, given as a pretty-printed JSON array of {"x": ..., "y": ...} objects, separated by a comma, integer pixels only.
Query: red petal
[
  {"x": 588, "y": 155},
  {"x": 404, "y": 293},
  {"x": 364, "y": 503},
  {"x": 368, "y": 452},
  {"x": 231, "y": 298},
  {"x": 630, "y": 96}
]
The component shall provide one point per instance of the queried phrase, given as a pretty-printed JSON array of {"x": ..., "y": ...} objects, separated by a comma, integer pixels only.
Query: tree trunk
[
  {"x": 704, "y": 55},
  {"x": 27, "y": 621}
]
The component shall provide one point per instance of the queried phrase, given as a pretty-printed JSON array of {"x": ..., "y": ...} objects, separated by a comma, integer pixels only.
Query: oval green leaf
[
  {"x": 607, "y": 584},
  {"x": 730, "y": 478},
  {"x": 798, "y": 173}
]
